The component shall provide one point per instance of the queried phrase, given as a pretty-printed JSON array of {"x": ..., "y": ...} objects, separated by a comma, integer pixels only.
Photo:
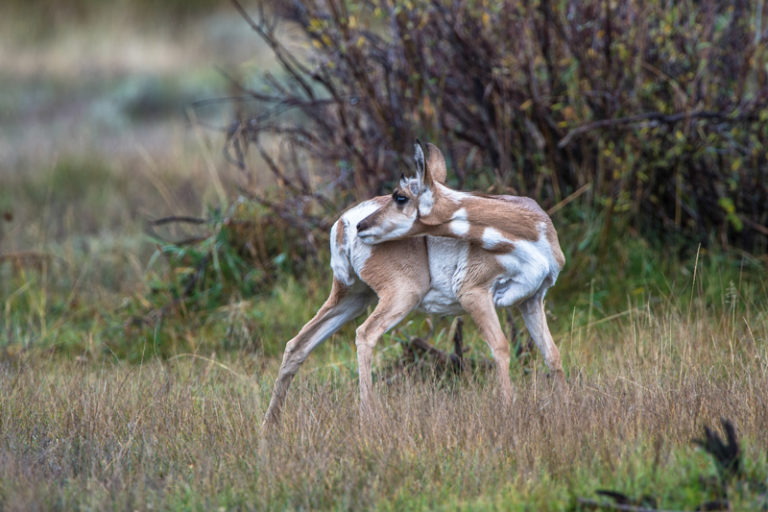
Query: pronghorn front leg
[
  {"x": 342, "y": 305},
  {"x": 479, "y": 304},
  {"x": 391, "y": 309}
]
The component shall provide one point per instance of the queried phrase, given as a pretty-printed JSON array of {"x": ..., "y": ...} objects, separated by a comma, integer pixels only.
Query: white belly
[{"x": 447, "y": 268}]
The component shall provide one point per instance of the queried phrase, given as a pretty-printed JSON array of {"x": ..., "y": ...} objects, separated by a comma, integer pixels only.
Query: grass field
[
  {"x": 113, "y": 396},
  {"x": 184, "y": 433}
]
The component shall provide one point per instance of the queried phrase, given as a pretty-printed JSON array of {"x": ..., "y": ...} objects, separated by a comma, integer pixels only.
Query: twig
[
  {"x": 754, "y": 225},
  {"x": 568, "y": 200},
  {"x": 26, "y": 258},
  {"x": 648, "y": 116},
  {"x": 617, "y": 506},
  {"x": 176, "y": 218},
  {"x": 180, "y": 219},
  {"x": 24, "y": 255},
  {"x": 458, "y": 345},
  {"x": 426, "y": 348}
]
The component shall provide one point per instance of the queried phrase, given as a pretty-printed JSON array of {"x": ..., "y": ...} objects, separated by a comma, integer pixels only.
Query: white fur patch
[
  {"x": 460, "y": 214},
  {"x": 493, "y": 238},
  {"x": 459, "y": 225},
  {"x": 529, "y": 268},
  {"x": 426, "y": 202},
  {"x": 340, "y": 264},
  {"x": 447, "y": 268},
  {"x": 349, "y": 258},
  {"x": 455, "y": 196}
]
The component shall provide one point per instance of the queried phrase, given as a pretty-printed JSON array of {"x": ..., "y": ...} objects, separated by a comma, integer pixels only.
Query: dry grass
[{"x": 185, "y": 433}]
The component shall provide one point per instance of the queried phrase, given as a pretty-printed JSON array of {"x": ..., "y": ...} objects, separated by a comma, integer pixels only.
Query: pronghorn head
[{"x": 410, "y": 207}]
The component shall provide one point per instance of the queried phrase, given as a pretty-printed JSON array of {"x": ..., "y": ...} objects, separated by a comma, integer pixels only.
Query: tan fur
[
  {"x": 396, "y": 272},
  {"x": 436, "y": 163},
  {"x": 555, "y": 243},
  {"x": 340, "y": 234},
  {"x": 387, "y": 263},
  {"x": 482, "y": 269}
]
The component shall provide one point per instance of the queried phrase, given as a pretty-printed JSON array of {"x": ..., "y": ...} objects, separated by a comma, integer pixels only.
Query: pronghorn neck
[{"x": 493, "y": 222}]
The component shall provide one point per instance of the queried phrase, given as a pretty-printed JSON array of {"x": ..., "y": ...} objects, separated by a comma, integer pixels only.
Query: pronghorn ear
[
  {"x": 436, "y": 163},
  {"x": 418, "y": 157},
  {"x": 422, "y": 171}
]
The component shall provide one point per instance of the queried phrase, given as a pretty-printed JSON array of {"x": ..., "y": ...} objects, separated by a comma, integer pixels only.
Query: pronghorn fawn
[{"x": 441, "y": 251}]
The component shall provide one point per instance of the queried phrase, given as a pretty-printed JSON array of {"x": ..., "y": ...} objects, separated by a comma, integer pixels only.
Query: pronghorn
[{"x": 441, "y": 251}]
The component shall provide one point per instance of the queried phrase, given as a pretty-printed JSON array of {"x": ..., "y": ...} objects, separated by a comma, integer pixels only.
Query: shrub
[{"x": 657, "y": 110}]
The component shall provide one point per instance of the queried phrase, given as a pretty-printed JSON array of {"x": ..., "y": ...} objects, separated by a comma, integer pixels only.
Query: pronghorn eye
[{"x": 399, "y": 198}]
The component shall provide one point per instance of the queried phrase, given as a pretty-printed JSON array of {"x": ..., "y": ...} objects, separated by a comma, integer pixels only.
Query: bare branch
[{"x": 649, "y": 116}]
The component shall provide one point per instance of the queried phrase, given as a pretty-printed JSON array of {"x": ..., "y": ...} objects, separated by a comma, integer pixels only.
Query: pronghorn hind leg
[
  {"x": 536, "y": 321},
  {"x": 479, "y": 304},
  {"x": 342, "y": 305}
]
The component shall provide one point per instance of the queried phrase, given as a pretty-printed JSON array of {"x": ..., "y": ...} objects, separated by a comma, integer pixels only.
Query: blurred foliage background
[
  {"x": 169, "y": 171},
  {"x": 656, "y": 111}
]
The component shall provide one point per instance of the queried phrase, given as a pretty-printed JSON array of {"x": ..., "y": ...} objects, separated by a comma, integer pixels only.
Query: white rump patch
[
  {"x": 529, "y": 268},
  {"x": 340, "y": 264}
]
